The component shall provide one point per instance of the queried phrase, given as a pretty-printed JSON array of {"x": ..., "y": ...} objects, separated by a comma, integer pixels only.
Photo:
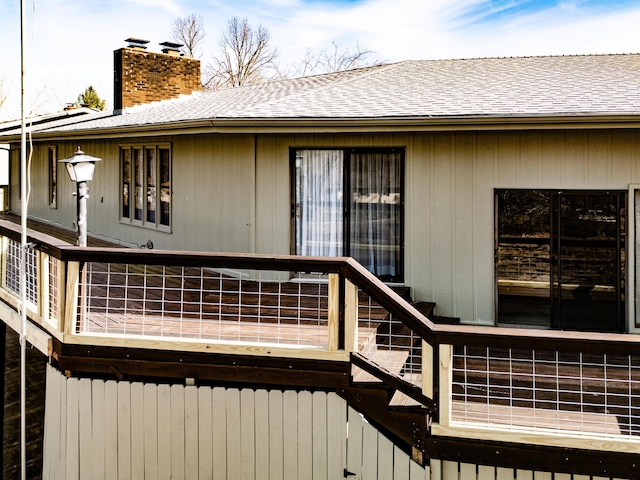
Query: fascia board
[{"x": 347, "y": 125}]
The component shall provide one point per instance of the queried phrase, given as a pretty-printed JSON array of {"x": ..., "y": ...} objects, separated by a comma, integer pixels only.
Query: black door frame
[
  {"x": 556, "y": 248},
  {"x": 556, "y": 222}
]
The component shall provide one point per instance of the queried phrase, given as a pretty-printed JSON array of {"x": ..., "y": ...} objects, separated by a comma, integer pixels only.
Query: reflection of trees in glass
[
  {"x": 589, "y": 217},
  {"x": 126, "y": 180},
  {"x": 523, "y": 213}
]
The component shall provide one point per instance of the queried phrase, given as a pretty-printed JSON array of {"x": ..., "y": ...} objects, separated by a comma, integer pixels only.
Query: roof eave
[{"x": 348, "y": 124}]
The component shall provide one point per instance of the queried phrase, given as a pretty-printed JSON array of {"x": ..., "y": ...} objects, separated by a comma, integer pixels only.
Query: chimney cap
[
  {"x": 172, "y": 44},
  {"x": 137, "y": 43},
  {"x": 171, "y": 48}
]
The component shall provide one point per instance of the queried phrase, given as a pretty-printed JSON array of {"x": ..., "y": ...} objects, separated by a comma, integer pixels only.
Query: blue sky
[{"x": 69, "y": 44}]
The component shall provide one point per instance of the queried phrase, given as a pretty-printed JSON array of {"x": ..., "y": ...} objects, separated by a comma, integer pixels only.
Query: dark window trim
[
  {"x": 347, "y": 151},
  {"x": 144, "y": 222},
  {"x": 52, "y": 176}
]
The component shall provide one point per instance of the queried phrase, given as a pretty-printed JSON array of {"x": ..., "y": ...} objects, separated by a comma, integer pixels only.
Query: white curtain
[
  {"x": 319, "y": 202},
  {"x": 376, "y": 212}
]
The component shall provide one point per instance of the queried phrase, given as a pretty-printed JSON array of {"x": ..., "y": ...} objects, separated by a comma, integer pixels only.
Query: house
[
  {"x": 478, "y": 165},
  {"x": 500, "y": 191}
]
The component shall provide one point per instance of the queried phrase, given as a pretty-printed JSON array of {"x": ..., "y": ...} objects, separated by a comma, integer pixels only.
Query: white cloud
[{"x": 171, "y": 6}]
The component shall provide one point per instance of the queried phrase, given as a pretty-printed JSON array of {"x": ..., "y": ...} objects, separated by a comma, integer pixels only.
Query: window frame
[
  {"x": 52, "y": 172},
  {"x": 633, "y": 318},
  {"x": 149, "y": 186},
  {"x": 346, "y": 188}
]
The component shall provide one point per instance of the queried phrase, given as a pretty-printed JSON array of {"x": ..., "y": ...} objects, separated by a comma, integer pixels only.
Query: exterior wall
[
  {"x": 232, "y": 193},
  {"x": 212, "y": 203},
  {"x": 449, "y": 203},
  {"x": 117, "y": 430}
]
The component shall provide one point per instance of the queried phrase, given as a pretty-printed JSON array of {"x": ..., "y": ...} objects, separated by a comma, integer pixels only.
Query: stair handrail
[{"x": 389, "y": 299}]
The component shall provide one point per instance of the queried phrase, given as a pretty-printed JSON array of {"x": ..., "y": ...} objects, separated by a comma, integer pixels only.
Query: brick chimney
[{"x": 142, "y": 77}]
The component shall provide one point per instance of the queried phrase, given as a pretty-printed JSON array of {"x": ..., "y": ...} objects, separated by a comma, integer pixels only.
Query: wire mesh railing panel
[
  {"x": 387, "y": 342},
  {"x": 54, "y": 293},
  {"x": 200, "y": 303},
  {"x": 546, "y": 390},
  {"x": 12, "y": 271}
]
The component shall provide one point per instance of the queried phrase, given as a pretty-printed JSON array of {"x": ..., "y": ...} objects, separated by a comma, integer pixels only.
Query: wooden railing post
[
  {"x": 446, "y": 377},
  {"x": 350, "y": 316},
  {"x": 71, "y": 297},
  {"x": 61, "y": 293},
  {"x": 333, "y": 320},
  {"x": 3, "y": 261},
  {"x": 427, "y": 370}
]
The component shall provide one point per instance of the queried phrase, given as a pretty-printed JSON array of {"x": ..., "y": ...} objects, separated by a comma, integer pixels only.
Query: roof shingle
[{"x": 486, "y": 87}]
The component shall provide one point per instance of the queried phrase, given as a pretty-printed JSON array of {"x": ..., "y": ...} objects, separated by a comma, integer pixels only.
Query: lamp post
[{"x": 80, "y": 168}]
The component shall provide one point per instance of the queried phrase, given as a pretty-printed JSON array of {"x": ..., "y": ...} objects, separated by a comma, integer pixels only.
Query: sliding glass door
[
  {"x": 560, "y": 259},
  {"x": 349, "y": 202},
  {"x": 587, "y": 261}
]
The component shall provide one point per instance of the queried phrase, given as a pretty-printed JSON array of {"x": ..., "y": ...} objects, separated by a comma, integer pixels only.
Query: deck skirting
[{"x": 106, "y": 429}]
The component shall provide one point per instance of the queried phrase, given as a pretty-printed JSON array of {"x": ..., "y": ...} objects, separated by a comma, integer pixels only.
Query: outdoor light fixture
[{"x": 80, "y": 168}]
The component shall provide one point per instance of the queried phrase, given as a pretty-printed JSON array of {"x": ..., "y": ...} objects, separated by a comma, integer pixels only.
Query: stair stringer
[{"x": 406, "y": 426}]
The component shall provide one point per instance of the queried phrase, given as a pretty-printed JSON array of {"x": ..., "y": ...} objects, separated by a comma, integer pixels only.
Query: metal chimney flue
[
  {"x": 137, "y": 43},
  {"x": 171, "y": 48}
]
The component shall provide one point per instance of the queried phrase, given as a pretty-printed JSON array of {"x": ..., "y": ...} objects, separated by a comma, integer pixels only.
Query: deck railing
[
  {"x": 289, "y": 306},
  {"x": 569, "y": 389},
  {"x": 524, "y": 386}
]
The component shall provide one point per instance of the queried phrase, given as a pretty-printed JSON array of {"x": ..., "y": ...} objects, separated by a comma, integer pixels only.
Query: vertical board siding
[
  {"x": 72, "y": 451},
  {"x": 124, "y": 430},
  {"x": 319, "y": 435},
  {"x": 219, "y": 445},
  {"x": 232, "y": 193},
  {"x": 85, "y": 429},
  {"x": 115, "y": 430},
  {"x": 101, "y": 429},
  {"x": 276, "y": 435},
  {"x": 261, "y": 401},
  {"x": 304, "y": 438},
  {"x": 177, "y": 431},
  {"x": 97, "y": 429},
  {"x": 150, "y": 421},
  {"x": 205, "y": 433},
  {"x": 137, "y": 430},
  {"x": 164, "y": 432},
  {"x": 290, "y": 434},
  {"x": 248, "y": 447}
]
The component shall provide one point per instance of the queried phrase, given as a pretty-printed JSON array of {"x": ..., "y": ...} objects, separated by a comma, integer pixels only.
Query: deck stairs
[{"x": 379, "y": 368}]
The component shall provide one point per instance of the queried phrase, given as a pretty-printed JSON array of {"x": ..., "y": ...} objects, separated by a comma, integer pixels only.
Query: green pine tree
[{"x": 91, "y": 99}]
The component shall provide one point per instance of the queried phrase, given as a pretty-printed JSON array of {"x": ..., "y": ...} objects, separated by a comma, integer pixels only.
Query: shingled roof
[{"x": 520, "y": 87}]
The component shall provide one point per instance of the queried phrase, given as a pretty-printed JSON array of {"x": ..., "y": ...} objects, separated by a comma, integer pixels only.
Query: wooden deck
[
  {"x": 173, "y": 302},
  {"x": 65, "y": 234},
  {"x": 529, "y": 419}
]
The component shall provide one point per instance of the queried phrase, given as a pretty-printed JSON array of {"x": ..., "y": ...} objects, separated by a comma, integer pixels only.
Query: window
[
  {"x": 349, "y": 202},
  {"x": 53, "y": 176},
  {"x": 146, "y": 185}
]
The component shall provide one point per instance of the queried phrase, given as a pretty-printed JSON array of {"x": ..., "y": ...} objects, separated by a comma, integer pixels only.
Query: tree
[
  {"x": 189, "y": 31},
  {"x": 246, "y": 56},
  {"x": 91, "y": 99},
  {"x": 333, "y": 60},
  {"x": 3, "y": 93}
]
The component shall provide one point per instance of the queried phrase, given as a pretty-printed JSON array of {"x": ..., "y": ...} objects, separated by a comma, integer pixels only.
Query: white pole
[
  {"x": 23, "y": 250},
  {"x": 82, "y": 192}
]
